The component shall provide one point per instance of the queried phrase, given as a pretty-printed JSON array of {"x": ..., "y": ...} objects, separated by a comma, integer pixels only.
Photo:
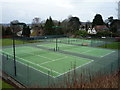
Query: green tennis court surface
[
  {"x": 47, "y": 62},
  {"x": 96, "y": 52}
]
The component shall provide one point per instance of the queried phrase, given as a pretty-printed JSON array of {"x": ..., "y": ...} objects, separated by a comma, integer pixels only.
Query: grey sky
[{"x": 26, "y": 10}]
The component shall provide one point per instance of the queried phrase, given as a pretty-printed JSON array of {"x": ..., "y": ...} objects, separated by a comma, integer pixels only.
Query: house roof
[{"x": 101, "y": 27}]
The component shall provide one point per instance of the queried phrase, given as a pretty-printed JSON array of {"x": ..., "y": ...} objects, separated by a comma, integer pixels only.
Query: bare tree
[
  {"x": 36, "y": 20},
  {"x": 36, "y": 23}
]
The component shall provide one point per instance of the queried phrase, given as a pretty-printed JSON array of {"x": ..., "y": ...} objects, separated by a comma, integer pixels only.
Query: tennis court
[
  {"x": 50, "y": 63},
  {"x": 89, "y": 51}
]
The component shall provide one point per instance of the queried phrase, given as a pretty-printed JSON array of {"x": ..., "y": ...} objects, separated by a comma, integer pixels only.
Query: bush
[
  {"x": 81, "y": 33},
  {"x": 103, "y": 33}
]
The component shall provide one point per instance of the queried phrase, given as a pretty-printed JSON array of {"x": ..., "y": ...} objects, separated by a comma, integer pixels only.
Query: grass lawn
[
  {"x": 114, "y": 45},
  {"x": 5, "y": 85},
  {"x": 6, "y": 42}
]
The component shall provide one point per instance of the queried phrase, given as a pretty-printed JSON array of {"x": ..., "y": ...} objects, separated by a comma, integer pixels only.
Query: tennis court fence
[
  {"x": 40, "y": 37},
  {"x": 79, "y": 41}
]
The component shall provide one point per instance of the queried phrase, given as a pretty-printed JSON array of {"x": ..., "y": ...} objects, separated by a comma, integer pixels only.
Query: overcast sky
[{"x": 26, "y": 10}]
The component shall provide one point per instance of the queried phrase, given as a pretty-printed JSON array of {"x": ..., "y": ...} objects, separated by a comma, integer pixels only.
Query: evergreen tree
[
  {"x": 48, "y": 27},
  {"x": 26, "y": 31},
  {"x": 97, "y": 20}
]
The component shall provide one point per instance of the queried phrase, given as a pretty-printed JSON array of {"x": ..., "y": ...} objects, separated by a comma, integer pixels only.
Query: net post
[
  {"x": 58, "y": 48},
  {"x": 7, "y": 56},
  {"x": 56, "y": 43}
]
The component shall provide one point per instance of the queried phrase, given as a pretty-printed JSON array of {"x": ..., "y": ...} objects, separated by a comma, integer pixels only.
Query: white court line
[
  {"x": 44, "y": 46},
  {"x": 46, "y": 57},
  {"x": 87, "y": 51},
  {"x": 37, "y": 69},
  {"x": 52, "y": 61},
  {"x": 37, "y": 55},
  {"x": 55, "y": 71},
  {"x": 38, "y": 65},
  {"x": 49, "y": 47},
  {"x": 74, "y": 69},
  {"x": 33, "y": 67},
  {"x": 43, "y": 56},
  {"x": 47, "y": 68},
  {"x": 107, "y": 54},
  {"x": 63, "y": 58},
  {"x": 34, "y": 64}
]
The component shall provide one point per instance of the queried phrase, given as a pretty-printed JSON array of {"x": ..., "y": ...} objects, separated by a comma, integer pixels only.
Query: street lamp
[{"x": 14, "y": 54}]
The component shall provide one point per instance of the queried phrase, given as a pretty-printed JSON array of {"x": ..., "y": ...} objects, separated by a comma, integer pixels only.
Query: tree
[
  {"x": 36, "y": 23},
  {"x": 8, "y": 31},
  {"x": 97, "y": 20},
  {"x": 3, "y": 30},
  {"x": 16, "y": 28},
  {"x": 115, "y": 26},
  {"x": 36, "y": 20},
  {"x": 26, "y": 31},
  {"x": 64, "y": 24},
  {"x": 59, "y": 29},
  {"x": 109, "y": 21},
  {"x": 48, "y": 27},
  {"x": 74, "y": 24}
]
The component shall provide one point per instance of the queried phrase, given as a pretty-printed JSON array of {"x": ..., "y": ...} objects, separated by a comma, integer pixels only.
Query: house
[
  {"x": 101, "y": 28},
  {"x": 37, "y": 31},
  {"x": 85, "y": 25},
  {"x": 89, "y": 31},
  {"x": 92, "y": 31}
]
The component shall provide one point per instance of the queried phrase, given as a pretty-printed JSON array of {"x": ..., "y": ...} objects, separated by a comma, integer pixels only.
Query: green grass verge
[
  {"x": 5, "y": 85},
  {"x": 114, "y": 45},
  {"x": 6, "y": 42}
]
